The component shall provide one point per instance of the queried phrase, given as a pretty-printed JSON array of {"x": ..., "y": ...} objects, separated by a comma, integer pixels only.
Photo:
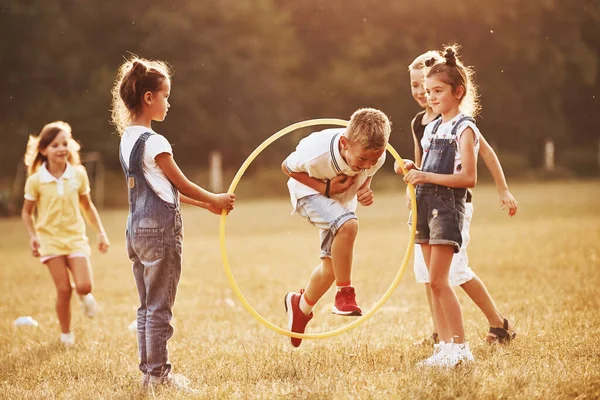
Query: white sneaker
[
  {"x": 175, "y": 381},
  {"x": 68, "y": 339},
  {"x": 457, "y": 353},
  {"x": 89, "y": 305},
  {"x": 439, "y": 351}
]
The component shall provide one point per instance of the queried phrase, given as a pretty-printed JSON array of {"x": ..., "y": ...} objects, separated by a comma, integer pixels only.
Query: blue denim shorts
[
  {"x": 326, "y": 214},
  {"x": 440, "y": 213}
]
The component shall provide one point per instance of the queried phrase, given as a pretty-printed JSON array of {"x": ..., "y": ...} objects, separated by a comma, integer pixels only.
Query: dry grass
[{"x": 541, "y": 267}]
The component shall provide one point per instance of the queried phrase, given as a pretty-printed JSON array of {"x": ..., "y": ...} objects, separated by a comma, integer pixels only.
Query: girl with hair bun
[
  {"x": 448, "y": 169},
  {"x": 460, "y": 274},
  {"x": 154, "y": 226}
]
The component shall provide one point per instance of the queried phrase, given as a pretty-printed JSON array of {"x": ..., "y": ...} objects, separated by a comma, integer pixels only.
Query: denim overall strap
[
  {"x": 454, "y": 131},
  {"x": 440, "y": 160},
  {"x": 436, "y": 125},
  {"x": 460, "y": 121},
  {"x": 140, "y": 190}
]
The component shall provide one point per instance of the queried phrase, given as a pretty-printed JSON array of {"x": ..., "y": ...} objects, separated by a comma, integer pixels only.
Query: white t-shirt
[
  {"x": 319, "y": 155},
  {"x": 155, "y": 145},
  {"x": 445, "y": 132}
]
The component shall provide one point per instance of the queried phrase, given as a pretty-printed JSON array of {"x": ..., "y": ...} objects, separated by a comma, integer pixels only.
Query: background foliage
[{"x": 243, "y": 70}]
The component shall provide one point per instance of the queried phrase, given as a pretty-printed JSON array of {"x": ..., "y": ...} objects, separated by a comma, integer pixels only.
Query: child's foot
[
  {"x": 501, "y": 335},
  {"x": 439, "y": 351},
  {"x": 457, "y": 353},
  {"x": 89, "y": 305},
  {"x": 429, "y": 341},
  {"x": 345, "y": 302},
  {"x": 68, "y": 339},
  {"x": 448, "y": 355},
  {"x": 297, "y": 320},
  {"x": 174, "y": 381}
]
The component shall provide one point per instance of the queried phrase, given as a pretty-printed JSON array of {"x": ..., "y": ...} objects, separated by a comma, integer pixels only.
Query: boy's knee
[{"x": 349, "y": 228}]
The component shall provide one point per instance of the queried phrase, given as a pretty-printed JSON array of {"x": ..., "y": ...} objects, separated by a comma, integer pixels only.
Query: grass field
[{"x": 541, "y": 267}]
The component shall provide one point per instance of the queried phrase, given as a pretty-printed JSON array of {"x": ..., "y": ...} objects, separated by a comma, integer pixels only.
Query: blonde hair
[
  {"x": 135, "y": 77},
  {"x": 370, "y": 128},
  {"x": 454, "y": 73},
  {"x": 36, "y": 144},
  {"x": 419, "y": 62}
]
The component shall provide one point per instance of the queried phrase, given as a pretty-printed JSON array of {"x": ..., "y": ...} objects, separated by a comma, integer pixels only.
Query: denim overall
[
  {"x": 440, "y": 209},
  {"x": 154, "y": 244}
]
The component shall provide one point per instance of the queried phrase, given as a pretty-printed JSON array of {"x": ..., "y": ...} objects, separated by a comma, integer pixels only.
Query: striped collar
[{"x": 338, "y": 161}]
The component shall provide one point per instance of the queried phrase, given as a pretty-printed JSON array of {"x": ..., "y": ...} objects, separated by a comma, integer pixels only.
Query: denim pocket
[
  {"x": 452, "y": 204},
  {"x": 148, "y": 243},
  {"x": 432, "y": 162}
]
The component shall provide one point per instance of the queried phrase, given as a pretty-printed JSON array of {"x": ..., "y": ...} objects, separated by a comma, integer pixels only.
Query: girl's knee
[
  {"x": 84, "y": 288},
  {"x": 64, "y": 292},
  {"x": 438, "y": 285},
  {"x": 349, "y": 229}
]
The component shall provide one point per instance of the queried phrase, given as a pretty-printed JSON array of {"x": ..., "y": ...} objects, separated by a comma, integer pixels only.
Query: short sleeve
[
  {"x": 83, "y": 180},
  {"x": 463, "y": 127},
  {"x": 298, "y": 160},
  {"x": 32, "y": 187},
  {"x": 294, "y": 164},
  {"x": 158, "y": 144}
]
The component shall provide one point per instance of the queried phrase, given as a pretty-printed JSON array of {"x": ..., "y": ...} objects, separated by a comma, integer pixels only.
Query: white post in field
[
  {"x": 215, "y": 171},
  {"x": 549, "y": 155}
]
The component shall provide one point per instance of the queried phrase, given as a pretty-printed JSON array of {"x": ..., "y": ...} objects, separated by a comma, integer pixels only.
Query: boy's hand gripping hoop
[{"x": 236, "y": 289}]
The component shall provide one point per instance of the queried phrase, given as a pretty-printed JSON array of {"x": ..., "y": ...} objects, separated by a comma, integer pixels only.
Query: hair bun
[
  {"x": 138, "y": 68},
  {"x": 450, "y": 56},
  {"x": 430, "y": 62}
]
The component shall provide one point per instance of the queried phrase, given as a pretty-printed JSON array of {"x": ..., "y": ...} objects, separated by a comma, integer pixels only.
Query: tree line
[{"x": 243, "y": 70}]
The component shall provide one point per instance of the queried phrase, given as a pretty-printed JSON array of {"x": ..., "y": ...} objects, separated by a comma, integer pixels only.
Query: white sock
[
  {"x": 304, "y": 306},
  {"x": 340, "y": 287}
]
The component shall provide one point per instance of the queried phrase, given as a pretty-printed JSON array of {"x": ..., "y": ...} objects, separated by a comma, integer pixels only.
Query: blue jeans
[{"x": 155, "y": 245}]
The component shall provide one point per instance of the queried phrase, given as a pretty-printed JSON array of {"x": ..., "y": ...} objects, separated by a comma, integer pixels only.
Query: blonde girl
[{"x": 58, "y": 189}]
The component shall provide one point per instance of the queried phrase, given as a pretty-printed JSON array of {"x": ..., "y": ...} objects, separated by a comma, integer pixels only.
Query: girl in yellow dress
[{"x": 58, "y": 187}]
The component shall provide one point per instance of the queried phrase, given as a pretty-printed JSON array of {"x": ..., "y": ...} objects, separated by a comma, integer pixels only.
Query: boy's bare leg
[
  {"x": 342, "y": 251},
  {"x": 320, "y": 281},
  {"x": 477, "y": 291}
]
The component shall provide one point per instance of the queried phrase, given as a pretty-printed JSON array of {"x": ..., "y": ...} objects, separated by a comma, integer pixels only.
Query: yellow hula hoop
[{"x": 236, "y": 289}]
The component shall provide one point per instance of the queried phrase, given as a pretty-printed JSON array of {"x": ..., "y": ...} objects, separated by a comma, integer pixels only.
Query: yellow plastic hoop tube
[{"x": 228, "y": 272}]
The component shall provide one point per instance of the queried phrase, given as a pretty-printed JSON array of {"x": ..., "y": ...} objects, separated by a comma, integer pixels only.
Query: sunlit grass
[{"x": 540, "y": 266}]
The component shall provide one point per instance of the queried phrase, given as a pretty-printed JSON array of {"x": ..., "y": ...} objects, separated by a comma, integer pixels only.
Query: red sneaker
[
  {"x": 297, "y": 320},
  {"x": 345, "y": 302}
]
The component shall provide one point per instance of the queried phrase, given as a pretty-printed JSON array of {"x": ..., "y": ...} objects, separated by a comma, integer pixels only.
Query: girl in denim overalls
[
  {"x": 460, "y": 272},
  {"x": 449, "y": 168},
  {"x": 154, "y": 226}
]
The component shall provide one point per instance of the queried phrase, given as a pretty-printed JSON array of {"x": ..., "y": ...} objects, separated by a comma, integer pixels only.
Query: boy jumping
[{"x": 330, "y": 172}]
